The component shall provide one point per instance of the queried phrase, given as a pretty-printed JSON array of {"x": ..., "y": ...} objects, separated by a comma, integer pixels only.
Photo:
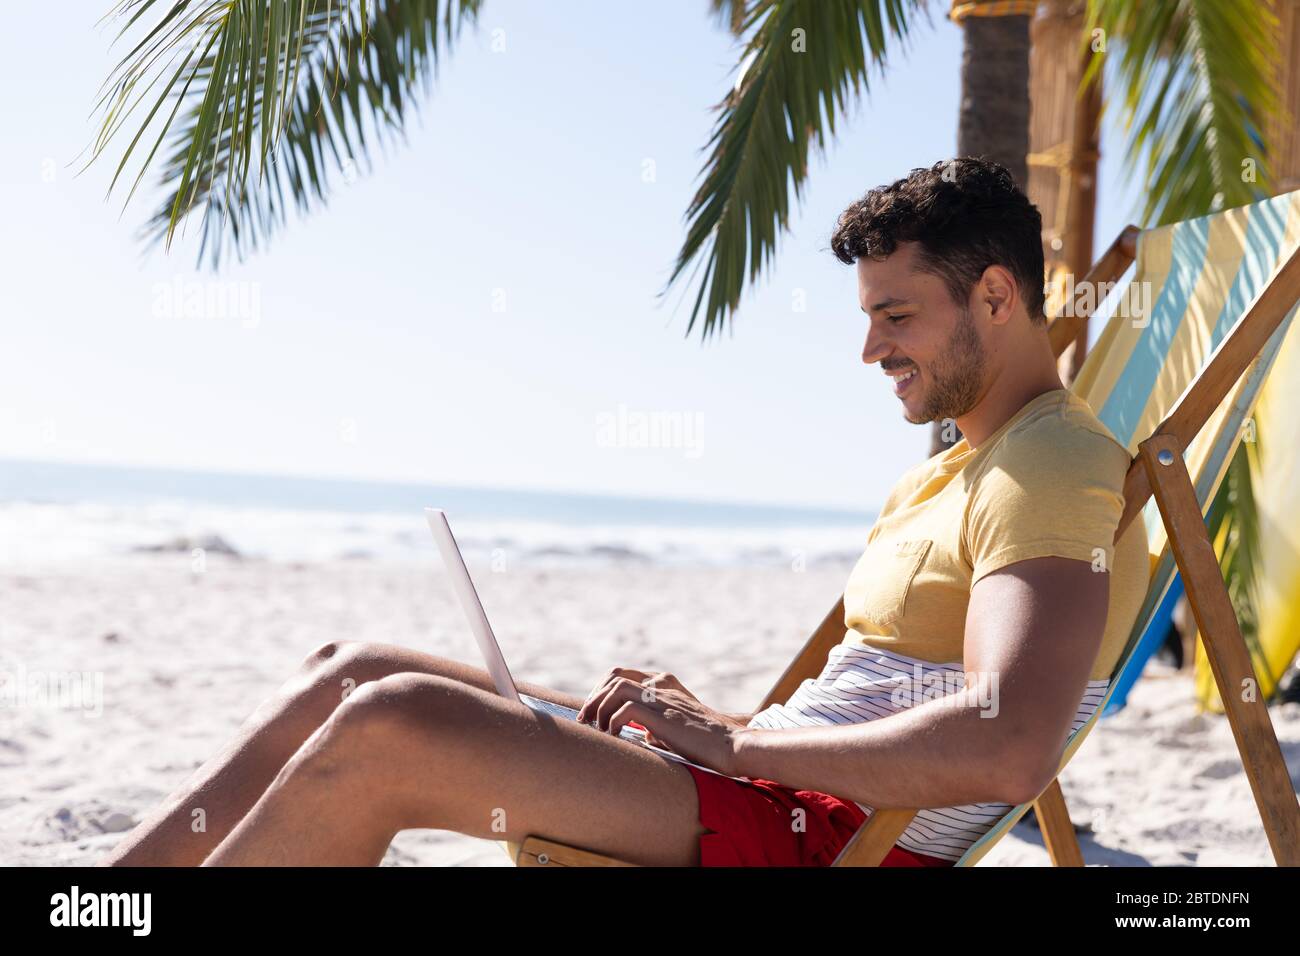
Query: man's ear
[{"x": 998, "y": 292}]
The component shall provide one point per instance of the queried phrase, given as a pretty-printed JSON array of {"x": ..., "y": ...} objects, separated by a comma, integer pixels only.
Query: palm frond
[
  {"x": 252, "y": 102},
  {"x": 730, "y": 14},
  {"x": 786, "y": 96},
  {"x": 1193, "y": 79}
]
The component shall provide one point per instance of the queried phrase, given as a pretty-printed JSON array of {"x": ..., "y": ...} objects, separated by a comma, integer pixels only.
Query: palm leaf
[
  {"x": 1194, "y": 82},
  {"x": 730, "y": 14},
  {"x": 783, "y": 101},
  {"x": 254, "y": 102}
]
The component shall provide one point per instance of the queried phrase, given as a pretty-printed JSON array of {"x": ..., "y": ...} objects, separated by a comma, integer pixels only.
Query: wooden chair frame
[{"x": 1158, "y": 469}]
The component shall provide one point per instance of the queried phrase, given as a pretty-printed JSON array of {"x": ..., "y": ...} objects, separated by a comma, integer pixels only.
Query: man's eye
[{"x": 899, "y": 316}]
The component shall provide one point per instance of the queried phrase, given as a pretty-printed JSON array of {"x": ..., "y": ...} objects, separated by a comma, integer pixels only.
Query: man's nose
[{"x": 877, "y": 345}]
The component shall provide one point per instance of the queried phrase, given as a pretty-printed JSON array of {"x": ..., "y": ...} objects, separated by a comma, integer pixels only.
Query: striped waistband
[{"x": 861, "y": 683}]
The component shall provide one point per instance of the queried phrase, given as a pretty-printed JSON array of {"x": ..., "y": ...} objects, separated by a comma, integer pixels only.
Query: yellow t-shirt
[{"x": 1049, "y": 482}]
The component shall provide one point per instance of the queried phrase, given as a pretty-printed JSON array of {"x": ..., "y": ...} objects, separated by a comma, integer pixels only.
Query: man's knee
[
  {"x": 329, "y": 653},
  {"x": 399, "y": 703},
  {"x": 336, "y": 670},
  {"x": 326, "y": 677},
  {"x": 386, "y": 721},
  {"x": 340, "y": 667},
  {"x": 366, "y": 748}
]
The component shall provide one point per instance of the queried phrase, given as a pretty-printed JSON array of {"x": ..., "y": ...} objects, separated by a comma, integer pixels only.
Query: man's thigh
[
  {"x": 462, "y": 758},
  {"x": 366, "y": 661}
]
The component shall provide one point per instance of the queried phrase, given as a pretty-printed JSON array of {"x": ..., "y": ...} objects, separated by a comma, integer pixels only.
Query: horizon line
[{"x": 409, "y": 483}]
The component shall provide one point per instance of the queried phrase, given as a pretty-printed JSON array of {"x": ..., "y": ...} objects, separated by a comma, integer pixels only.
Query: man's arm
[{"x": 1033, "y": 631}]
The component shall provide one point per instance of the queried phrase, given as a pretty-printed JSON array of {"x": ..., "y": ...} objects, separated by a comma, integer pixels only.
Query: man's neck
[{"x": 1007, "y": 393}]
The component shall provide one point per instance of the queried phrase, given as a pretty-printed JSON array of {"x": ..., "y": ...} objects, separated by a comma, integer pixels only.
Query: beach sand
[{"x": 184, "y": 657}]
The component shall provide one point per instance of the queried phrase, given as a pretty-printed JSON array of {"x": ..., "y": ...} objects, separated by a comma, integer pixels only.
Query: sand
[{"x": 175, "y": 660}]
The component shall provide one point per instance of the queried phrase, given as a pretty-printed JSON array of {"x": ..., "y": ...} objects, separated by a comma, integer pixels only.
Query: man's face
[{"x": 925, "y": 342}]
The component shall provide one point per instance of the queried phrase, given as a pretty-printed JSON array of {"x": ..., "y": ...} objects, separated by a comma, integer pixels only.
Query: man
[{"x": 990, "y": 573}]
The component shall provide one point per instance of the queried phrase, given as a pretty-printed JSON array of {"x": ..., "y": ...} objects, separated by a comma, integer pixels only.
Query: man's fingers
[
  {"x": 632, "y": 710},
  {"x": 665, "y": 680},
  {"x": 587, "y": 709},
  {"x": 649, "y": 683},
  {"x": 622, "y": 691},
  {"x": 598, "y": 692}
]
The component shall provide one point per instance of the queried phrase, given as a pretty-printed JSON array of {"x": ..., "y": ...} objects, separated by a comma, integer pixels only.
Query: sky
[{"x": 482, "y": 308}]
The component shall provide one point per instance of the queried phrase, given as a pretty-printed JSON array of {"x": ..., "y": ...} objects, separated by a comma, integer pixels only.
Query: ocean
[{"x": 58, "y": 512}]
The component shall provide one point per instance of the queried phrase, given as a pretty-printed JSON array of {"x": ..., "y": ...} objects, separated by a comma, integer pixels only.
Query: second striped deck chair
[{"x": 1174, "y": 376}]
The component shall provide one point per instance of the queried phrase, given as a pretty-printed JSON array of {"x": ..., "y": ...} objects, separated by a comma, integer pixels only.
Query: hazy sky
[{"x": 481, "y": 309}]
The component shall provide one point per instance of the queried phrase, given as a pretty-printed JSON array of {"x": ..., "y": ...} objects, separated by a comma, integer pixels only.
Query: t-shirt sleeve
[{"x": 1046, "y": 492}]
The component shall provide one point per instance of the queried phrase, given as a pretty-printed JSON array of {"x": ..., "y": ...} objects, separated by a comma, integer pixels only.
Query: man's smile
[{"x": 902, "y": 378}]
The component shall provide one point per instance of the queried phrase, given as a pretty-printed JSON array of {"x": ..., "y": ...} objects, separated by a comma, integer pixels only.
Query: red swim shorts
[{"x": 751, "y": 824}]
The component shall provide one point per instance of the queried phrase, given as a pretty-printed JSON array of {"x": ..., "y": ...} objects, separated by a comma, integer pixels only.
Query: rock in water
[
  {"x": 211, "y": 543},
  {"x": 116, "y": 822}
]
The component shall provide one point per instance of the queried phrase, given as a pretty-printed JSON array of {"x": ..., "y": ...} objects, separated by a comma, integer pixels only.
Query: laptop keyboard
[
  {"x": 628, "y": 733},
  {"x": 568, "y": 713}
]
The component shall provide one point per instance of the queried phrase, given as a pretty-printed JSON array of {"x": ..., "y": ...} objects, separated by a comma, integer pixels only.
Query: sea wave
[{"x": 37, "y": 533}]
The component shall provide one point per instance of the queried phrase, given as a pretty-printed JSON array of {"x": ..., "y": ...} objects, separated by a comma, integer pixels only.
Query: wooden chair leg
[
  {"x": 1270, "y": 781},
  {"x": 875, "y": 838},
  {"x": 1058, "y": 832}
]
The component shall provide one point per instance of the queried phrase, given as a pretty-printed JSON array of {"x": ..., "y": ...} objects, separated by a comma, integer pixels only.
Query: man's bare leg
[
  {"x": 228, "y": 784},
  {"x": 423, "y": 751}
]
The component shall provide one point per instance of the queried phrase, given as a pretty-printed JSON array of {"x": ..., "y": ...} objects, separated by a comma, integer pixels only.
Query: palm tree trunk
[
  {"x": 993, "y": 122},
  {"x": 994, "y": 118}
]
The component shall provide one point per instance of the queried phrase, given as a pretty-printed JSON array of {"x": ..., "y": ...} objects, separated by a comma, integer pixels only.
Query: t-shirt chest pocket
[{"x": 887, "y": 577}]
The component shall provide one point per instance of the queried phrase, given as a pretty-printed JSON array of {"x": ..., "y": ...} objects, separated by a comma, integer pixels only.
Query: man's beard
[{"x": 955, "y": 376}]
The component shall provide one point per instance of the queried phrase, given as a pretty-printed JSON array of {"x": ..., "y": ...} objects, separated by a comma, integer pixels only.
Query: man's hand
[{"x": 673, "y": 717}]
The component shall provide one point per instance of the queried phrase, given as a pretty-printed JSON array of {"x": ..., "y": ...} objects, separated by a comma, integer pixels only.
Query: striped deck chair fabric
[{"x": 1196, "y": 279}]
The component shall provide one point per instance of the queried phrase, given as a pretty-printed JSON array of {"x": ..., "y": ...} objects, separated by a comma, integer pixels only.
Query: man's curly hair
[{"x": 967, "y": 214}]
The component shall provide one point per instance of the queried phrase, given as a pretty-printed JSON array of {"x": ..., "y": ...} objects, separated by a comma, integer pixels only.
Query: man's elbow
[
  {"x": 1026, "y": 788},
  {"x": 1025, "y": 772}
]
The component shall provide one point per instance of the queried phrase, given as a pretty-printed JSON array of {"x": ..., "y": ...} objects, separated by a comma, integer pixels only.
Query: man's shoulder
[
  {"x": 1063, "y": 437},
  {"x": 1050, "y": 485}
]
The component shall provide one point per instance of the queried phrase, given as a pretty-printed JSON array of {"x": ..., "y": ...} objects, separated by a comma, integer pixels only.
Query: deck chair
[{"x": 1175, "y": 384}]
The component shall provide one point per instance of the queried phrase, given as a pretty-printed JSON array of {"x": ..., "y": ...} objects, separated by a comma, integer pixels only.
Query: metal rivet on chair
[
  {"x": 1165, "y": 456},
  {"x": 543, "y": 859}
]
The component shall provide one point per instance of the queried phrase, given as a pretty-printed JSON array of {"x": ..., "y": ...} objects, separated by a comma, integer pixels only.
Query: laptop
[{"x": 491, "y": 650}]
